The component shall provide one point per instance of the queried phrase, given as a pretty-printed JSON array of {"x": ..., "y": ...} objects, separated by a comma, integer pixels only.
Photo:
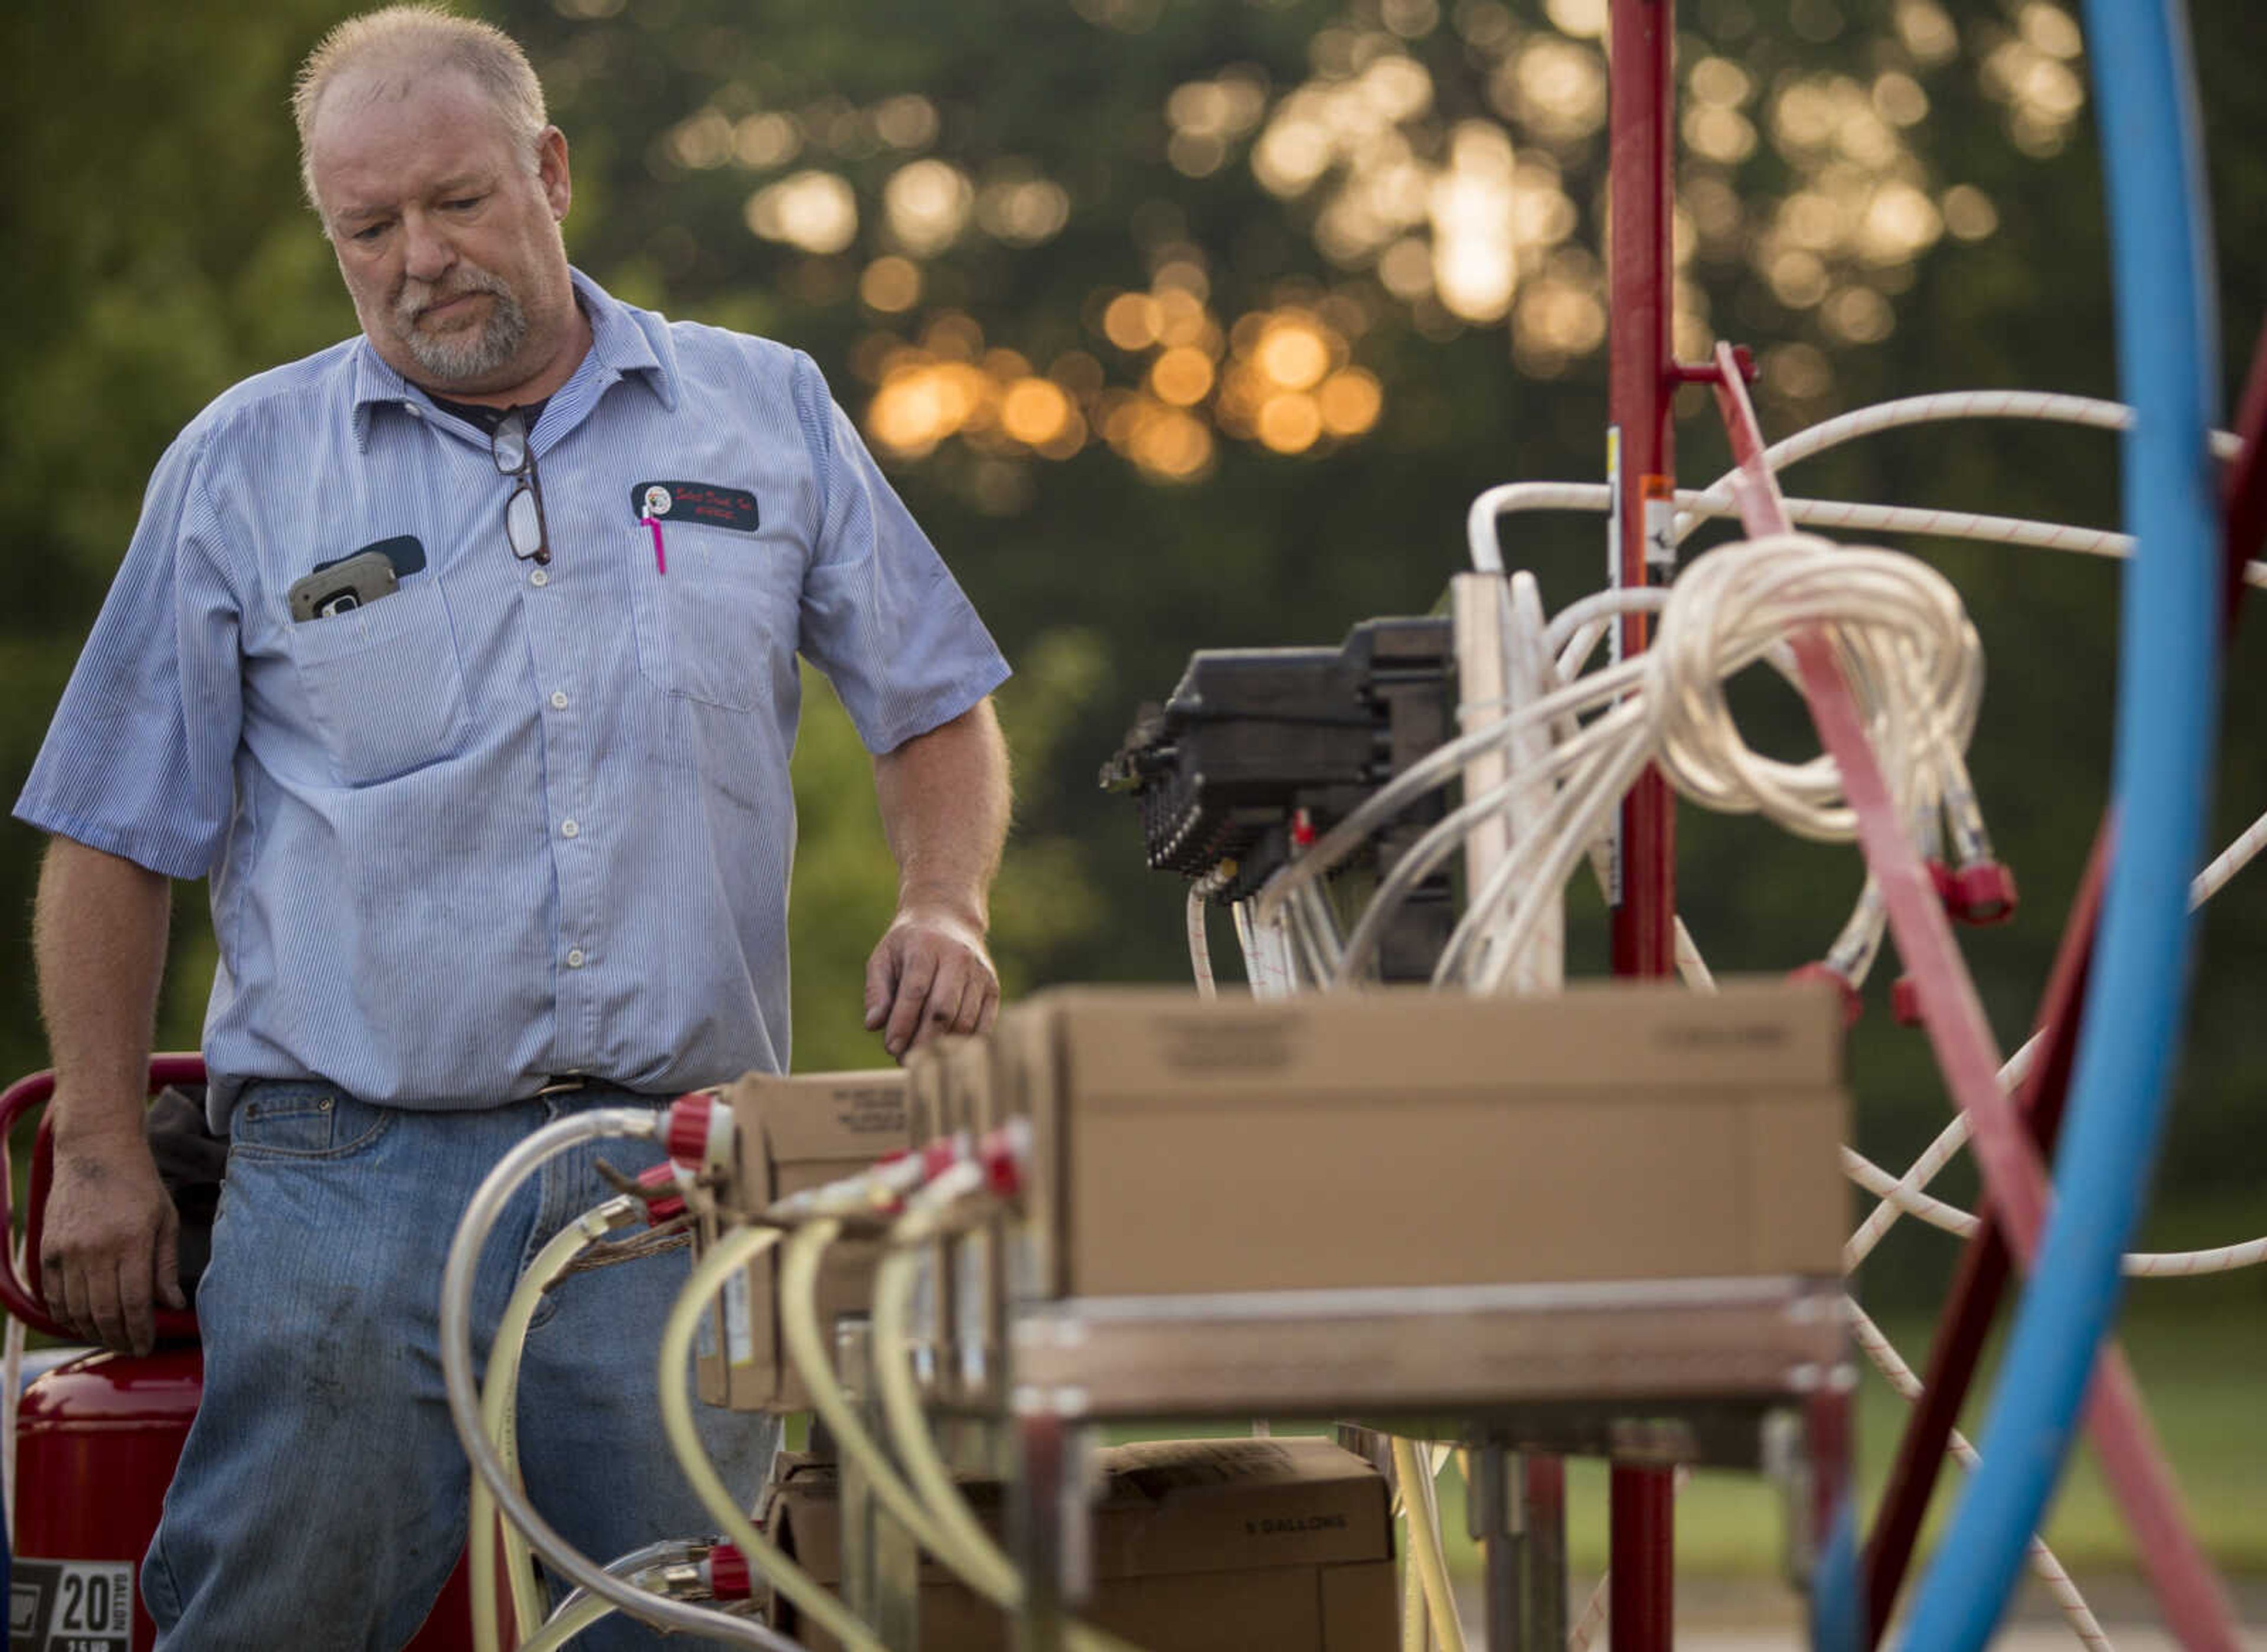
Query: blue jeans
[{"x": 321, "y": 1496}]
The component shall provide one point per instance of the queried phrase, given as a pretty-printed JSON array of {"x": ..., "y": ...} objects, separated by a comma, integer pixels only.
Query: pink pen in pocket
[{"x": 660, "y": 557}]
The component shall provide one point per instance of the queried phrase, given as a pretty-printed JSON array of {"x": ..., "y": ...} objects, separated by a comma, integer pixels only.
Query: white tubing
[
  {"x": 1697, "y": 505},
  {"x": 479, "y": 1219},
  {"x": 1892, "y": 1366},
  {"x": 569, "y": 1621},
  {"x": 1200, "y": 948},
  {"x": 1949, "y": 405},
  {"x": 1940, "y": 1152}
]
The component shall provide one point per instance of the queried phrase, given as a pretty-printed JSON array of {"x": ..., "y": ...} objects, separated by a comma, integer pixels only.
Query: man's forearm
[
  {"x": 944, "y": 807},
  {"x": 98, "y": 938},
  {"x": 944, "y": 803}
]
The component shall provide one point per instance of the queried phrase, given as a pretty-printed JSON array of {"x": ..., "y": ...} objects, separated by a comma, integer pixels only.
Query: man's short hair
[{"x": 415, "y": 40}]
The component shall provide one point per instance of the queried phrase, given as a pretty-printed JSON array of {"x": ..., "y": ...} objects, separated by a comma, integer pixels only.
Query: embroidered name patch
[{"x": 703, "y": 501}]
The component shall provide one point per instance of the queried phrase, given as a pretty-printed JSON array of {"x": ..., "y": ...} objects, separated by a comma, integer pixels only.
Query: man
[{"x": 496, "y": 815}]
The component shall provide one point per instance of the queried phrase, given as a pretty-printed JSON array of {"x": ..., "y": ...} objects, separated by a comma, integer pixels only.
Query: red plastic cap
[
  {"x": 692, "y": 1126},
  {"x": 728, "y": 1578},
  {"x": 1904, "y": 1001},
  {"x": 670, "y": 1204},
  {"x": 1984, "y": 894},
  {"x": 1853, "y": 1006},
  {"x": 1003, "y": 1168}
]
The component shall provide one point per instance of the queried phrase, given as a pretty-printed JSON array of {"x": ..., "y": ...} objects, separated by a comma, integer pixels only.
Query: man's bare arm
[
  {"x": 944, "y": 803},
  {"x": 98, "y": 938}
]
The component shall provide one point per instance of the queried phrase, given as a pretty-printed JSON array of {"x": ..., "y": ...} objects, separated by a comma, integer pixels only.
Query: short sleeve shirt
[{"x": 508, "y": 821}]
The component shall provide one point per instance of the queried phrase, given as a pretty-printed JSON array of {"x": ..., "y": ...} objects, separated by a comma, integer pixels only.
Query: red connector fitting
[
  {"x": 1853, "y": 1006},
  {"x": 1002, "y": 1153},
  {"x": 728, "y": 1575},
  {"x": 699, "y": 1133},
  {"x": 942, "y": 1155},
  {"x": 665, "y": 1207},
  {"x": 1904, "y": 1001},
  {"x": 1983, "y": 893}
]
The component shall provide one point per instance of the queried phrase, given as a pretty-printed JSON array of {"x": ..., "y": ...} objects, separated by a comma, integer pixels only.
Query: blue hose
[{"x": 2168, "y": 668}]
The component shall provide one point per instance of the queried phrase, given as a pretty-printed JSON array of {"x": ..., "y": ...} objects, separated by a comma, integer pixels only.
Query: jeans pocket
[{"x": 304, "y": 1122}]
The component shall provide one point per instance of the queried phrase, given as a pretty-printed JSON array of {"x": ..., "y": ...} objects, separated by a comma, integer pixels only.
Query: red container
[{"x": 97, "y": 1440}]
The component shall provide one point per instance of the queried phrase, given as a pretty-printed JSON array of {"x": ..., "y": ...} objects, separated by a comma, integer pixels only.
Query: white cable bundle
[
  {"x": 1899, "y": 631},
  {"x": 1904, "y": 642}
]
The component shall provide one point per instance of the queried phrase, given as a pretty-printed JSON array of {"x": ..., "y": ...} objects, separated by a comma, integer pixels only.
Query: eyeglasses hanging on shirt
[{"x": 523, "y": 512}]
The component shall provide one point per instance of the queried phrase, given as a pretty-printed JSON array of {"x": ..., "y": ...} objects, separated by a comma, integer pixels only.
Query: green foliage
[{"x": 159, "y": 253}]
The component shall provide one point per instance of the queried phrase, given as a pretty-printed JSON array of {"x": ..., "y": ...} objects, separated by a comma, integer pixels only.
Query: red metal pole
[
  {"x": 1643, "y": 462},
  {"x": 1640, "y": 395}
]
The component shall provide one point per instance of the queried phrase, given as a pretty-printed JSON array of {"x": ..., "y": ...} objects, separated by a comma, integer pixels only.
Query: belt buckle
[{"x": 563, "y": 1084}]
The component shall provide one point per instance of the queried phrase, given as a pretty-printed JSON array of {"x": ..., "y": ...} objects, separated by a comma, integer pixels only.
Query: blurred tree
[{"x": 1196, "y": 322}]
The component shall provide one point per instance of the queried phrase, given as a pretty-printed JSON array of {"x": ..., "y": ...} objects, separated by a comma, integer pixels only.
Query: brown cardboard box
[
  {"x": 1280, "y": 1544},
  {"x": 792, "y": 1134},
  {"x": 1399, "y": 1138}
]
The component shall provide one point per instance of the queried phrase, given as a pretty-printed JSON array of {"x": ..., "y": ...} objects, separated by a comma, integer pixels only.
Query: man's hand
[
  {"x": 943, "y": 796},
  {"x": 930, "y": 975},
  {"x": 107, "y": 1252}
]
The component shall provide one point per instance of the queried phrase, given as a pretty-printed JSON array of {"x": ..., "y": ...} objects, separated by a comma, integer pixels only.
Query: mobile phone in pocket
[{"x": 344, "y": 586}]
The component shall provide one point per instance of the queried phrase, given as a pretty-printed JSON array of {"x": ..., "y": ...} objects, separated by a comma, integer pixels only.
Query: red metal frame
[
  {"x": 1643, "y": 375},
  {"x": 1642, "y": 389},
  {"x": 1985, "y": 1264},
  {"x": 1983, "y": 1271},
  {"x": 2188, "y": 1592},
  {"x": 19, "y": 1294}
]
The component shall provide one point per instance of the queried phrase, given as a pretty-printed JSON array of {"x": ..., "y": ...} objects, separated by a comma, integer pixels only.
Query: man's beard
[{"x": 466, "y": 353}]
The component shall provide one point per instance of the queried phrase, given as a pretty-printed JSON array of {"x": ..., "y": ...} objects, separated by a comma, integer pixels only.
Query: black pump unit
[{"x": 1257, "y": 744}]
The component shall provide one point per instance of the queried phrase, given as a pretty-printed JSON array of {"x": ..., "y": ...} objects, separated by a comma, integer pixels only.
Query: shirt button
[
  {"x": 575, "y": 959},
  {"x": 558, "y": 700},
  {"x": 568, "y": 828},
  {"x": 539, "y": 577},
  {"x": 412, "y": 409}
]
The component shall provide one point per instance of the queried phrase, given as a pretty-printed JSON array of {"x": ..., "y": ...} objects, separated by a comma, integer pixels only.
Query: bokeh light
[{"x": 814, "y": 211}]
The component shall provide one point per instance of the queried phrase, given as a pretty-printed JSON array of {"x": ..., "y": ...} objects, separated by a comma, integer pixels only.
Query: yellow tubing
[
  {"x": 568, "y": 1624},
  {"x": 499, "y": 1396},
  {"x": 1413, "y": 1603},
  {"x": 1425, "y": 1546},
  {"x": 733, "y": 1251},
  {"x": 985, "y": 1568}
]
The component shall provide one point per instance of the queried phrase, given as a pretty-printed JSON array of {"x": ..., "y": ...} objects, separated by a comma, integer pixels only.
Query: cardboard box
[
  {"x": 792, "y": 1134},
  {"x": 1280, "y": 1544},
  {"x": 1398, "y": 1138}
]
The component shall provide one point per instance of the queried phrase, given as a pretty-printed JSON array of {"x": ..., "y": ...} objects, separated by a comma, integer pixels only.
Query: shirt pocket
[
  {"x": 716, "y": 625},
  {"x": 384, "y": 687}
]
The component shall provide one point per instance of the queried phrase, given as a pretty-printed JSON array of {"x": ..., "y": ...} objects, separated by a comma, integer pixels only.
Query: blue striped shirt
[{"x": 509, "y": 821}]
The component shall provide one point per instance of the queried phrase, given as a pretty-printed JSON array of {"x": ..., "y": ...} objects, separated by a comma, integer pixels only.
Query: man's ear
[{"x": 551, "y": 167}]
